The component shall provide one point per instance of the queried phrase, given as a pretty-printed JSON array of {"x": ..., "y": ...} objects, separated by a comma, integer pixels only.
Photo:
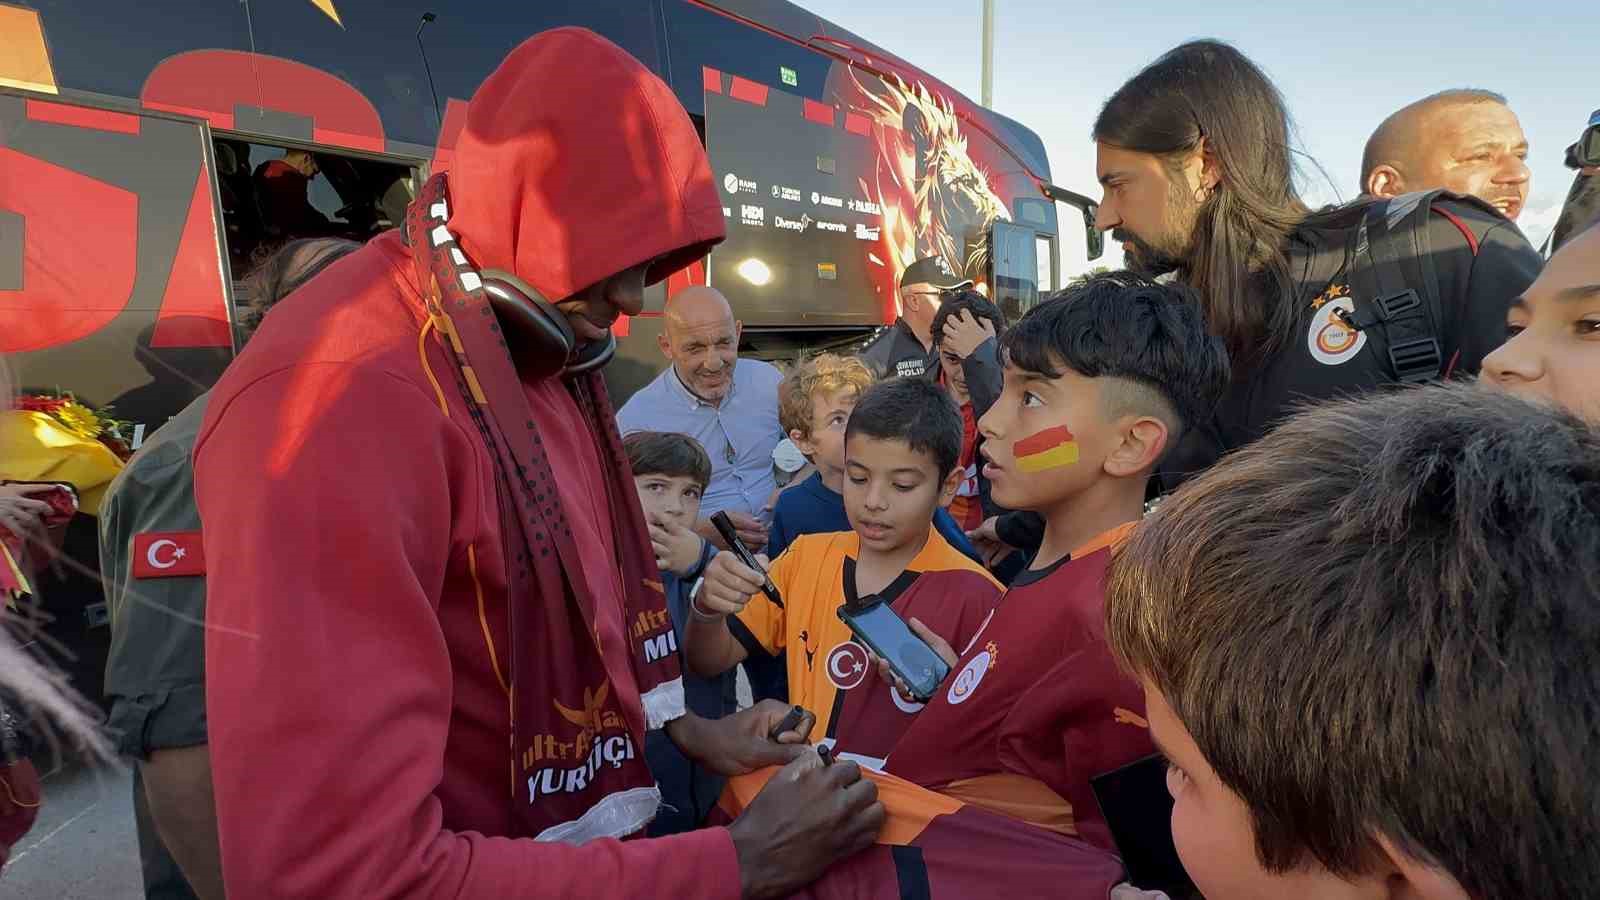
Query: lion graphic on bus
[{"x": 936, "y": 199}]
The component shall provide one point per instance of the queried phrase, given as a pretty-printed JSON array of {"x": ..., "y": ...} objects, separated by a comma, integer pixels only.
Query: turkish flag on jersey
[{"x": 168, "y": 554}]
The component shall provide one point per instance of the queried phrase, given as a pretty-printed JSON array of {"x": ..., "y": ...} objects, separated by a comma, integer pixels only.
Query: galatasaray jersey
[
  {"x": 815, "y": 576},
  {"x": 1036, "y": 706}
]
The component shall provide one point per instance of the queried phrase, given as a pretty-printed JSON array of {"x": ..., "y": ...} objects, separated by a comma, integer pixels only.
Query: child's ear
[
  {"x": 1407, "y": 878},
  {"x": 806, "y": 445},
  {"x": 1143, "y": 440},
  {"x": 952, "y": 483}
]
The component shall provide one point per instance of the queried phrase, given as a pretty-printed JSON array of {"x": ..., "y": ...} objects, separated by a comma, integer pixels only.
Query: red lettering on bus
[
  {"x": 194, "y": 312},
  {"x": 210, "y": 83},
  {"x": 80, "y": 240}
]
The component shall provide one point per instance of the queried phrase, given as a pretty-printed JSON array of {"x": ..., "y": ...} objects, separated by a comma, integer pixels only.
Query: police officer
[{"x": 905, "y": 349}]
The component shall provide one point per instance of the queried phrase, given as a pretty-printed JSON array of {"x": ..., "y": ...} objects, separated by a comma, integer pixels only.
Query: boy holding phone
[
  {"x": 1099, "y": 381},
  {"x": 1367, "y": 646},
  {"x": 901, "y": 446}
]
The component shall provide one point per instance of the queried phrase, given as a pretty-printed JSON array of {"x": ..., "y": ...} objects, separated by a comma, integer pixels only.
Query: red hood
[{"x": 575, "y": 163}]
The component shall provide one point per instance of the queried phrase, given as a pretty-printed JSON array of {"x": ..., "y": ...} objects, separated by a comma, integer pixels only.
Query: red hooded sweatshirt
[{"x": 362, "y": 675}]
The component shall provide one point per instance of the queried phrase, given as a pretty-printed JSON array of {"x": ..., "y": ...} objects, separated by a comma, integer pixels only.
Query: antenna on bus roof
[{"x": 426, "y": 18}]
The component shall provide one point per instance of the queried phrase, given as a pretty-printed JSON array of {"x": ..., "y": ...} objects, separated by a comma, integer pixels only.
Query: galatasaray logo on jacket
[{"x": 1331, "y": 340}]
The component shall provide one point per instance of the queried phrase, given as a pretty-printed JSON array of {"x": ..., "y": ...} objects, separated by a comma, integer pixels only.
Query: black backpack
[{"x": 1390, "y": 259}]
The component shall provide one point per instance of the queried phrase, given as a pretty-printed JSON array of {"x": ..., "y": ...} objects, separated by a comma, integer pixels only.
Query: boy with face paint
[{"x": 1099, "y": 382}]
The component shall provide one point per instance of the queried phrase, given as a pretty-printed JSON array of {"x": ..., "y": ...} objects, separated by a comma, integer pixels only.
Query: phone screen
[{"x": 887, "y": 635}]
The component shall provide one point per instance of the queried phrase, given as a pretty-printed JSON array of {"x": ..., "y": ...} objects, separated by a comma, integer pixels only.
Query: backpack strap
[{"x": 1397, "y": 288}]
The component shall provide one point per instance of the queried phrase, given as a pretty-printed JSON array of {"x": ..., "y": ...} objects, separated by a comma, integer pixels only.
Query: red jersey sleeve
[{"x": 325, "y": 493}]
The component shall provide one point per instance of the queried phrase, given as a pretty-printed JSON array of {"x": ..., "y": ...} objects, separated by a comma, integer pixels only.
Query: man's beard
[
  {"x": 1153, "y": 261},
  {"x": 1143, "y": 259}
]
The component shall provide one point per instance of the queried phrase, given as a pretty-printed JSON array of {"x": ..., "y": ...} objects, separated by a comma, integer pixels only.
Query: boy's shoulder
[
  {"x": 818, "y": 546},
  {"x": 807, "y": 496},
  {"x": 940, "y": 556},
  {"x": 968, "y": 583}
]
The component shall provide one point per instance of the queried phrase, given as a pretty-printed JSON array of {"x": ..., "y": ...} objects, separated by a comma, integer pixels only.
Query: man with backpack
[{"x": 1195, "y": 159}]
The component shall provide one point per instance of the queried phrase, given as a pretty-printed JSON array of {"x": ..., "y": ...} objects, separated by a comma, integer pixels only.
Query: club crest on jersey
[
  {"x": 909, "y": 707},
  {"x": 1330, "y": 339},
  {"x": 971, "y": 675},
  {"x": 847, "y": 665}
]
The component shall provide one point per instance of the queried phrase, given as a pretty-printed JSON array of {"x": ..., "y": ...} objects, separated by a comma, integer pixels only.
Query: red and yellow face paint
[{"x": 1051, "y": 448}]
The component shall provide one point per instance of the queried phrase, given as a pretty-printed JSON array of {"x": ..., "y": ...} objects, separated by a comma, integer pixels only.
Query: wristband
[{"x": 694, "y": 604}]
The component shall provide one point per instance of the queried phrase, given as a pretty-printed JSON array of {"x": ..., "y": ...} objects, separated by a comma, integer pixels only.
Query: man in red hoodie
[{"x": 437, "y": 630}]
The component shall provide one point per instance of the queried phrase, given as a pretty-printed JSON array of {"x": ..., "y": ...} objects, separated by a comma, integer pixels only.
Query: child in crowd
[
  {"x": 900, "y": 449},
  {"x": 1099, "y": 382},
  {"x": 670, "y": 472},
  {"x": 1553, "y": 351},
  {"x": 972, "y": 503},
  {"x": 814, "y": 403},
  {"x": 1367, "y": 647}
]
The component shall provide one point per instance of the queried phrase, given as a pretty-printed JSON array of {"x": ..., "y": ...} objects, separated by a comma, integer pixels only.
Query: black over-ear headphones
[
  {"x": 540, "y": 341},
  {"x": 537, "y": 334}
]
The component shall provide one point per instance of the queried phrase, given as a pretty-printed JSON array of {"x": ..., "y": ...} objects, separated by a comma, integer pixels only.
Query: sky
[{"x": 1342, "y": 68}]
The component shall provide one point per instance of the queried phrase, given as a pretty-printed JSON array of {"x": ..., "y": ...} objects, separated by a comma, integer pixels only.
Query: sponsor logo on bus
[
  {"x": 733, "y": 184},
  {"x": 800, "y": 224},
  {"x": 863, "y": 233},
  {"x": 825, "y": 225},
  {"x": 866, "y": 206},
  {"x": 753, "y": 215},
  {"x": 824, "y": 200},
  {"x": 779, "y": 192}
]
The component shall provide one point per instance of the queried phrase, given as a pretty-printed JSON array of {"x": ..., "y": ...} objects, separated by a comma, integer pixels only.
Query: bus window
[
  {"x": 1044, "y": 247},
  {"x": 272, "y": 195},
  {"x": 1013, "y": 286}
]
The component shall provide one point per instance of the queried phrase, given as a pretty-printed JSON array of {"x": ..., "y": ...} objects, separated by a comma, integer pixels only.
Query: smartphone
[
  {"x": 730, "y": 536},
  {"x": 887, "y": 635},
  {"x": 1138, "y": 809}
]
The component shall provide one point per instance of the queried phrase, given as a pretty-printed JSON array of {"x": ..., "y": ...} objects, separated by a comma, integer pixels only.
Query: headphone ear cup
[
  {"x": 536, "y": 333},
  {"x": 593, "y": 356}
]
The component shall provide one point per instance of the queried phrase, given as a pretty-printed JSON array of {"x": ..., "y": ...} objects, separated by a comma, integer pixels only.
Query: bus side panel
[{"x": 112, "y": 284}]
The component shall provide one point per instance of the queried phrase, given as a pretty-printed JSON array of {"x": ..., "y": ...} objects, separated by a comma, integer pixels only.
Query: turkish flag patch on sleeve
[{"x": 168, "y": 554}]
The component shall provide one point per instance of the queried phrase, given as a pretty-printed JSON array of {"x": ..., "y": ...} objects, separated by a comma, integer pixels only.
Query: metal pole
[{"x": 988, "y": 54}]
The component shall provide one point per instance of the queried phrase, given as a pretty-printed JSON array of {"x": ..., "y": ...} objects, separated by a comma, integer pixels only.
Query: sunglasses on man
[{"x": 1586, "y": 152}]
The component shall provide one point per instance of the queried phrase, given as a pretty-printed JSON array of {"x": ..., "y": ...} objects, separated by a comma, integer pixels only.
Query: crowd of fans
[{"x": 1294, "y": 516}]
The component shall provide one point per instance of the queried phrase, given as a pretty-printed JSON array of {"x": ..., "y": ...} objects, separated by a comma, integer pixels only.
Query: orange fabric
[
  {"x": 810, "y": 578},
  {"x": 1017, "y": 796},
  {"x": 1113, "y": 538},
  {"x": 910, "y": 808}
]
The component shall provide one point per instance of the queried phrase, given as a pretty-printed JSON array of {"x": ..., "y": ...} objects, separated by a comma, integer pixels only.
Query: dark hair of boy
[
  {"x": 1380, "y": 620},
  {"x": 1146, "y": 335},
  {"x": 970, "y": 302},
  {"x": 913, "y": 410},
  {"x": 669, "y": 454}
]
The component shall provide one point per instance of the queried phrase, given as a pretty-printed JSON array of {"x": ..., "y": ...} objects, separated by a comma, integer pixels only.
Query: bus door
[{"x": 112, "y": 278}]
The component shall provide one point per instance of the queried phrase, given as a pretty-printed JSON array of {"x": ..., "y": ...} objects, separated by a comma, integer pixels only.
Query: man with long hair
[{"x": 1196, "y": 160}]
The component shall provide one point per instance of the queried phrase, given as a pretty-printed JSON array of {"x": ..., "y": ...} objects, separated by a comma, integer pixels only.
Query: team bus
[{"x": 134, "y": 138}]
